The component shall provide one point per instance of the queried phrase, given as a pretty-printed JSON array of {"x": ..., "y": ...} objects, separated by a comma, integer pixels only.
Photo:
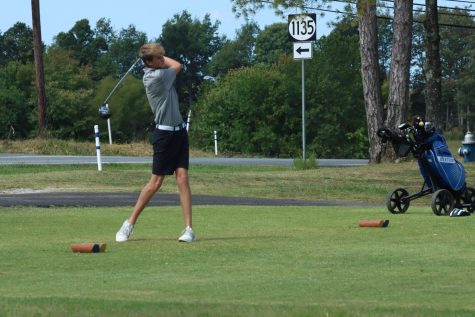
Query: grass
[
  {"x": 249, "y": 261},
  {"x": 358, "y": 184},
  {"x": 52, "y": 146}
]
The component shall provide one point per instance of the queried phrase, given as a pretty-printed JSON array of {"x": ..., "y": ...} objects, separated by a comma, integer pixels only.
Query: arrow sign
[
  {"x": 303, "y": 50},
  {"x": 300, "y": 50}
]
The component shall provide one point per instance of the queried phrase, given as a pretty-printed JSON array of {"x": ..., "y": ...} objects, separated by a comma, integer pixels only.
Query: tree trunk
[
  {"x": 398, "y": 99},
  {"x": 40, "y": 78},
  {"x": 370, "y": 75},
  {"x": 433, "y": 71}
]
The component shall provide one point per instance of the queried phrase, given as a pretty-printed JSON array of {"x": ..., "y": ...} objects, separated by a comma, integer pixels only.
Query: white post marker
[
  {"x": 109, "y": 126},
  {"x": 188, "y": 121},
  {"x": 98, "y": 148},
  {"x": 215, "y": 142}
]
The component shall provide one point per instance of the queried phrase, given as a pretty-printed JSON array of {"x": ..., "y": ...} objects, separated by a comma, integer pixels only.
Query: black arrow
[{"x": 300, "y": 50}]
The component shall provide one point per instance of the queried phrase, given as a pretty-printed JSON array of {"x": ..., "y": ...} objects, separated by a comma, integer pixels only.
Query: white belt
[{"x": 171, "y": 128}]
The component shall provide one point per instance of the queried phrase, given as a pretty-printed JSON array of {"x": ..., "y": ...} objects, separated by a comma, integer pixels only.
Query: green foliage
[
  {"x": 68, "y": 91},
  {"x": 16, "y": 93},
  {"x": 336, "y": 111},
  {"x": 81, "y": 42},
  {"x": 124, "y": 48},
  {"x": 308, "y": 163},
  {"x": 272, "y": 43},
  {"x": 193, "y": 43},
  {"x": 131, "y": 113},
  {"x": 237, "y": 53},
  {"x": 258, "y": 109},
  {"x": 250, "y": 108},
  {"x": 16, "y": 44}
]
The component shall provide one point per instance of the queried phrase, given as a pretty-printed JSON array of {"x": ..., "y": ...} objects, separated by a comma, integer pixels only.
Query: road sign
[
  {"x": 302, "y": 27},
  {"x": 303, "y": 50}
]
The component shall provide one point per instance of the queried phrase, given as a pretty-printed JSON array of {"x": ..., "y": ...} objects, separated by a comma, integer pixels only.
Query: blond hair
[{"x": 150, "y": 50}]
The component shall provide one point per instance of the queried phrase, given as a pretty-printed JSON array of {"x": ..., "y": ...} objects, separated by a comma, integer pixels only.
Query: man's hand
[{"x": 171, "y": 63}]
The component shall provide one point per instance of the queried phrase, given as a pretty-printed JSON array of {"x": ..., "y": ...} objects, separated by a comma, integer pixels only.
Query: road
[
  {"x": 27, "y": 159},
  {"x": 47, "y": 199},
  {"x": 90, "y": 199}
]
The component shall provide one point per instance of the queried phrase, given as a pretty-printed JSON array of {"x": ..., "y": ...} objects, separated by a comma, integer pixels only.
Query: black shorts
[{"x": 170, "y": 151}]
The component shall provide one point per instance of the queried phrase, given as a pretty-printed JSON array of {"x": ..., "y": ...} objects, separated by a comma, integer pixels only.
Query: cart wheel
[
  {"x": 469, "y": 198},
  {"x": 442, "y": 202},
  {"x": 397, "y": 201}
]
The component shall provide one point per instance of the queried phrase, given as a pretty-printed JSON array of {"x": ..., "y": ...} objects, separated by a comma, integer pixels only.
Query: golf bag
[{"x": 444, "y": 176}]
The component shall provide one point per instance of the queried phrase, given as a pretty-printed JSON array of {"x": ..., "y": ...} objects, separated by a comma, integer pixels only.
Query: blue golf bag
[{"x": 444, "y": 176}]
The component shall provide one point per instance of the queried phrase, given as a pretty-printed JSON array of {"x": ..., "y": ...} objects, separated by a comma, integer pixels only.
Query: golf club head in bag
[{"x": 104, "y": 112}]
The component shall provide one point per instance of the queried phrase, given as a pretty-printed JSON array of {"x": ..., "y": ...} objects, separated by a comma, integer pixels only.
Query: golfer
[{"x": 170, "y": 138}]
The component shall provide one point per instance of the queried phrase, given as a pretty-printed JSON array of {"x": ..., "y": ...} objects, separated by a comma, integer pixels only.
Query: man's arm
[{"x": 171, "y": 63}]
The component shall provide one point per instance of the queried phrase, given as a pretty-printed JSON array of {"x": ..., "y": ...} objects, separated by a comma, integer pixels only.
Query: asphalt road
[
  {"x": 81, "y": 199},
  {"x": 10, "y": 159},
  {"x": 63, "y": 199}
]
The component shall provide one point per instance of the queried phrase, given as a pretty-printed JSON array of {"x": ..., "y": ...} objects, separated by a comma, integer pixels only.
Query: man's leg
[
  {"x": 146, "y": 194},
  {"x": 183, "y": 184}
]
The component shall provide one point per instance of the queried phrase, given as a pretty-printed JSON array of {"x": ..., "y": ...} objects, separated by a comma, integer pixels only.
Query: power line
[
  {"x": 462, "y": 1},
  {"x": 438, "y": 11},
  {"x": 440, "y": 7},
  {"x": 379, "y": 17}
]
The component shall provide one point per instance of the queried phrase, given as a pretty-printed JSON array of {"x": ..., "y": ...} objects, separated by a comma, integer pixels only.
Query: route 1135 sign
[{"x": 302, "y": 27}]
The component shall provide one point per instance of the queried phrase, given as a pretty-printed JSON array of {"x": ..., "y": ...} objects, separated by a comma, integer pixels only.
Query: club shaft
[{"x": 120, "y": 81}]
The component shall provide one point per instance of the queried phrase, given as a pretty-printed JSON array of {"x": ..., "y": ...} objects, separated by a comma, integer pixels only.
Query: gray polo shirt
[{"x": 162, "y": 96}]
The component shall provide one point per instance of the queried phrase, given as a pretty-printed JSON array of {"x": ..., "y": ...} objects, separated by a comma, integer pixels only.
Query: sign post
[{"x": 302, "y": 31}]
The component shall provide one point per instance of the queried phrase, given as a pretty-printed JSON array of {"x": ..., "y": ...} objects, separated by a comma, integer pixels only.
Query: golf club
[
  {"x": 104, "y": 111},
  {"x": 120, "y": 81}
]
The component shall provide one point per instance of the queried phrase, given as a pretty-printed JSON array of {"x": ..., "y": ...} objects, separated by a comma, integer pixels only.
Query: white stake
[
  {"x": 188, "y": 121},
  {"x": 98, "y": 148},
  {"x": 215, "y": 142},
  {"x": 109, "y": 126}
]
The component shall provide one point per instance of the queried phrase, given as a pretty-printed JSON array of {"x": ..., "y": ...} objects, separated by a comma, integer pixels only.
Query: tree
[
  {"x": 39, "y": 67},
  {"x": 193, "y": 43},
  {"x": 433, "y": 95},
  {"x": 456, "y": 45},
  {"x": 253, "y": 111},
  {"x": 17, "y": 44},
  {"x": 272, "y": 43},
  {"x": 257, "y": 109},
  {"x": 69, "y": 91},
  {"x": 398, "y": 93},
  {"x": 16, "y": 99},
  {"x": 236, "y": 53},
  {"x": 398, "y": 100},
  {"x": 367, "y": 25},
  {"x": 82, "y": 42},
  {"x": 336, "y": 112},
  {"x": 465, "y": 95},
  {"x": 129, "y": 107},
  {"x": 124, "y": 48}
]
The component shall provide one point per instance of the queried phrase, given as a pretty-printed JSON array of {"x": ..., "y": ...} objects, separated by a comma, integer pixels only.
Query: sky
[{"x": 147, "y": 15}]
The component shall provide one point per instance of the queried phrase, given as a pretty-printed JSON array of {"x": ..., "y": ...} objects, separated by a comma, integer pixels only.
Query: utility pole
[{"x": 40, "y": 77}]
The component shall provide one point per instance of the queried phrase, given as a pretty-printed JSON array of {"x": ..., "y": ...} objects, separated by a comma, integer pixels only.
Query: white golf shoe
[
  {"x": 187, "y": 235},
  {"x": 124, "y": 232}
]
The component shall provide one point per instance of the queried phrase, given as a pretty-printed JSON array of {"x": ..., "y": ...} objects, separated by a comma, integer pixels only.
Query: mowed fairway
[{"x": 249, "y": 261}]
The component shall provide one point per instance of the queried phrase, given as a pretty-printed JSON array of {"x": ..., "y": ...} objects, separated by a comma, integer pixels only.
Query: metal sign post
[
  {"x": 304, "y": 152},
  {"x": 302, "y": 31}
]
